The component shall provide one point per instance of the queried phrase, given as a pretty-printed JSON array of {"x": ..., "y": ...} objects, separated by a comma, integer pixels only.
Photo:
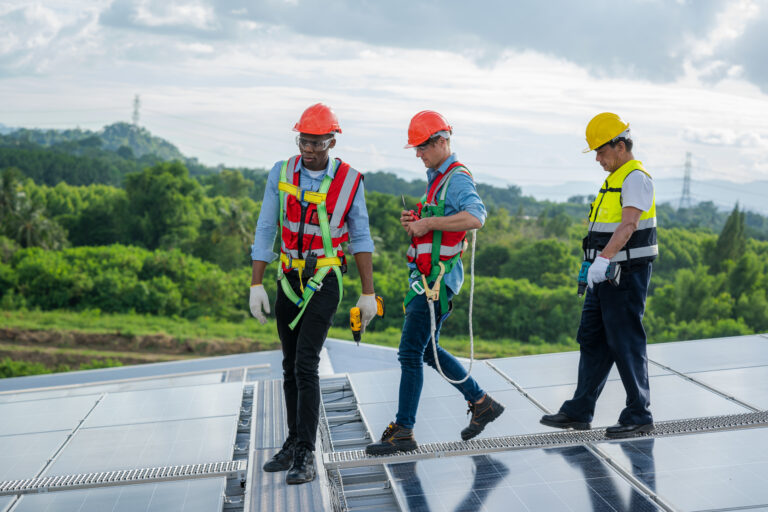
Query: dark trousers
[
  {"x": 611, "y": 331},
  {"x": 301, "y": 354}
]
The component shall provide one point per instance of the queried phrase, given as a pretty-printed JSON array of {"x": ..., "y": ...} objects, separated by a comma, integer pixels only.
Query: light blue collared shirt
[
  {"x": 266, "y": 228},
  {"x": 461, "y": 196}
]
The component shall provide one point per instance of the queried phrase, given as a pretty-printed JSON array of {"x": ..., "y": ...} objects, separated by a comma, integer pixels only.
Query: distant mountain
[
  {"x": 113, "y": 137},
  {"x": 5, "y": 129},
  {"x": 724, "y": 194}
]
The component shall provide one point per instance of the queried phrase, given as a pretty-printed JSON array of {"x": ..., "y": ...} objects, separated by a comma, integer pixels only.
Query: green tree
[
  {"x": 732, "y": 240},
  {"x": 163, "y": 206}
]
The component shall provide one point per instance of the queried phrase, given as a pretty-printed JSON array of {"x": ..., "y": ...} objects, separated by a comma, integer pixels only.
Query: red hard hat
[
  {"x": 425, "y": 124},
  {"x": 318, "y": 119}
]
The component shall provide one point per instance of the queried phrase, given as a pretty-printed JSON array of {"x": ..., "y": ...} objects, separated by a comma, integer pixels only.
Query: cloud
[
  {"x": 750, "y": 49},
  {"x": 192, "y": 19},
  {"x": 642, "y": 39},
  {"x": 724, "y": 138}
]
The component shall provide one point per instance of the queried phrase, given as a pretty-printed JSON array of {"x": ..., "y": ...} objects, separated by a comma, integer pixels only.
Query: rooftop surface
[{"x": 192, "y": 435}]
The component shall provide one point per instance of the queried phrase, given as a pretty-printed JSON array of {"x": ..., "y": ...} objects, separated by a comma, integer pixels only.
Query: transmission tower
[
  {"x": 685, "y": 198},
  {"x": 136, "y": 106}
]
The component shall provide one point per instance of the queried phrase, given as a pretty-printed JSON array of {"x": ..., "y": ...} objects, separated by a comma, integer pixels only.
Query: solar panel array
[
  {"x": 102, "y": 422},
  {"x": 120, "y": 426},
  {"x": 714, "y": 471}
]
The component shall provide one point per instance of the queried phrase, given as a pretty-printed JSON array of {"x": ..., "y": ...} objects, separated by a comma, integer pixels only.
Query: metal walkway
[
  {"x": 357, "y": 458},
  {"x": 230, "y": 469}
]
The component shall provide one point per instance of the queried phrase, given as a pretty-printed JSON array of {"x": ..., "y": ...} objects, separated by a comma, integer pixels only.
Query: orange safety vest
[
  {"x": 301, "y": 233},
  {"x": 423, "y": 251}
]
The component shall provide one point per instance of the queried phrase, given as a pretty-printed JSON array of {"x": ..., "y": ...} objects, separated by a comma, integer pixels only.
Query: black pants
[
  {"x": 301, "y": 354},
  {"x": 611, "y": 331}
]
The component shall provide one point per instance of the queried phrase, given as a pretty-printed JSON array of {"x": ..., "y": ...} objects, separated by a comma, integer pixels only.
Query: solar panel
[
  {"x": 182, "y": 496},
  {"x": 44, "y": 415},
  {"x": 702, "y": 472},
  {"x": 713, "y": 354},
  {"x": 22, "y": 456},
  {"x": 443, "y": 418},
  {"x": 164, "y": 443},
  {"x": 551, "y": 369},
  {"x": 5, "y": 501},
  {"x": 552, "y": 479},
  {"x": 747, "y": 384},
  {"x": 133, "y": 385},
  {"x": 672, "y": 397},
  {"x": 384, "y": 386},
  {"x": 167, "y": 404}
]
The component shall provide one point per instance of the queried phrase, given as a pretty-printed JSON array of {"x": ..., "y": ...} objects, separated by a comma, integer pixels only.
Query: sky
[{"x": 226, "y": 80}]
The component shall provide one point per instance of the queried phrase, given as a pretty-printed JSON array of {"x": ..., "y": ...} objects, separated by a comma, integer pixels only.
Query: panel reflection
[
  {"x": 564, "y": 478},
  {"x": 488, "y": 474},
  {"x": 600, "y": 479}
]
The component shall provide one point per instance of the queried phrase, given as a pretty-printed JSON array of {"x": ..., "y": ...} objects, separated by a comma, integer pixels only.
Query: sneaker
[
  {"x": 302, "y": 469},
  {"x": 482, "y": 414},
  {"x": 282, "y": 460},
  {"x": 562, "y": 420},
  {"x": 394, "y": 439}
]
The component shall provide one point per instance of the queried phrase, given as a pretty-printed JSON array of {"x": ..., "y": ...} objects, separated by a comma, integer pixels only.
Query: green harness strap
[
  {"x": 437, "y": 210},
  {"x": 315, "y": 282}
]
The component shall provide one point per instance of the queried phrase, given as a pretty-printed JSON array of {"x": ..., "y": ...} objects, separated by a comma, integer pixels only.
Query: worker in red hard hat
[
  {"x": 450, "y": 207},
  {"x": 318, "y": 203}
]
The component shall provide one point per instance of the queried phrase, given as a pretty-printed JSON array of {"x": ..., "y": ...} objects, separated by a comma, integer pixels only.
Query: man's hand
[
  {"x": 367, "y": 305},
  {"x": 597, "y": 271},
  {"x": 413, "y": 225},
  {"x": 258, "y": 302}
]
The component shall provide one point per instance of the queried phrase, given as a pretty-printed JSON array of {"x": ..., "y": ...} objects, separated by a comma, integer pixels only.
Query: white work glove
[
  {"x": 259, "y": 301},
  {"x": 367, "y": 305},
  {"x": 597, "y": 271}
]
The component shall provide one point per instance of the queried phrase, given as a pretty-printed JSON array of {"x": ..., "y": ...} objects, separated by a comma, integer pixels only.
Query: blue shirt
[
  {"x": 266, "y": 228},
  {"x": 461, "y": 196}
]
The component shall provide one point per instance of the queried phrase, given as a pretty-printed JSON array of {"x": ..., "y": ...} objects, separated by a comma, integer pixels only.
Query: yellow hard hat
[{"x": 604, "y": 128}]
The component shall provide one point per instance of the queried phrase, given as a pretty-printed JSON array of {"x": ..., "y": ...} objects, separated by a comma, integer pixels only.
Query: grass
[{"x": 205, "y": 328}]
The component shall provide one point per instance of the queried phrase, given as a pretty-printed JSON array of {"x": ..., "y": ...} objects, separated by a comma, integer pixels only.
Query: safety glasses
[
  {"x": 313, "y": 145},
  {"x": 423, "y": 146}
]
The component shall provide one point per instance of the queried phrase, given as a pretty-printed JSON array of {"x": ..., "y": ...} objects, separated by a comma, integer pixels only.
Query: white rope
[{"x": 433, "y": 325}]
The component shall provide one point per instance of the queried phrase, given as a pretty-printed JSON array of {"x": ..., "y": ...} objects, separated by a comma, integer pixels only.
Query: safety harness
[
  {"x": 445, "y": 248},
  {"x": 331, "y": 261}
]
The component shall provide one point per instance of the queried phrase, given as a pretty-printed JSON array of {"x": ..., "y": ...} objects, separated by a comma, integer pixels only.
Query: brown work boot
[
  {"x": 482, "y": 414},
  {"x": 394, "y": 439}
]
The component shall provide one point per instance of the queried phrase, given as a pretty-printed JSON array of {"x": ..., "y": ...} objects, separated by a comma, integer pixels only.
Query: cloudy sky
[{"x": 226, "y": 80}]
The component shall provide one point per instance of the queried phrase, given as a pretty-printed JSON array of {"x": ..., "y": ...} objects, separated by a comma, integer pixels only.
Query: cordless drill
[
  {"x": 612, "y": 274},
  {"x": 356, "y": 322}
]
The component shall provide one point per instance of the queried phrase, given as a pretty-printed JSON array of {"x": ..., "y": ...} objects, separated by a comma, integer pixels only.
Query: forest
[{"x": 87, "y": 226}]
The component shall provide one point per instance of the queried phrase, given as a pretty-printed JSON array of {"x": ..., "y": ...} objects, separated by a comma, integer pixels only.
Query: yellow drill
[{"x": 355, "y": 319}]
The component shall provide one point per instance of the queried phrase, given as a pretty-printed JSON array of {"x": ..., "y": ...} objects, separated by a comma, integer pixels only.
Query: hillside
[{"x": 112, "y": 137}]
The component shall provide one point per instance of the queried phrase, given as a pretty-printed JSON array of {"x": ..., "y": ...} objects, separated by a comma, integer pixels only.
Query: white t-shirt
[{"x": 637, "y": 191}]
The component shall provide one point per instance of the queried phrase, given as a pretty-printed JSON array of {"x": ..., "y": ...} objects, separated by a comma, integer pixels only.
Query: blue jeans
[
  {"x": 611, "y": 331},
  {"x": 416, "y": 349}
]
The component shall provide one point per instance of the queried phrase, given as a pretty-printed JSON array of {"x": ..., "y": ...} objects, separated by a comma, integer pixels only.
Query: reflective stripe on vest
[
  {"x": 338, "y": 201},
  {"x": 422, "y": 251},
  {"x": 605, "y": 217}
]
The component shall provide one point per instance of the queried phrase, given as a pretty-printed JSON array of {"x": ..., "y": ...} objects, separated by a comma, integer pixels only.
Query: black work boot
[
  {"x": 303, "y": 467},
  {"x": 282, "y": 459},
  {"x": 482, "y": 414},
  {"x": 394, "y": 439},
  {"x": 562, "y": 420}
]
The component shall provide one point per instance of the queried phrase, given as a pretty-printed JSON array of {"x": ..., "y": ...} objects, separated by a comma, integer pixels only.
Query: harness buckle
[{"x": 417, "y": 287}]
